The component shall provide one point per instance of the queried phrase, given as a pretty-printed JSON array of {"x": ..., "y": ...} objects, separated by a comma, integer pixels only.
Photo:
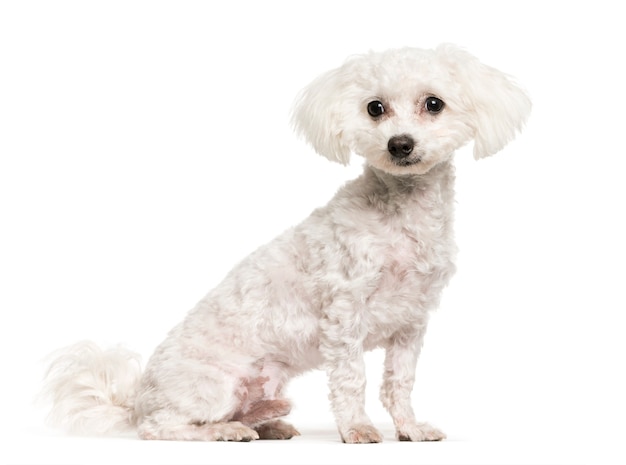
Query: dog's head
[{"x": 407, "y": 110}]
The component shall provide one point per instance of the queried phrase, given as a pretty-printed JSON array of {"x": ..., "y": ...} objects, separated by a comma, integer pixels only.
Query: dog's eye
[
  {"x": 375, "y": 108},
  {"x": 434, "y": 104}
]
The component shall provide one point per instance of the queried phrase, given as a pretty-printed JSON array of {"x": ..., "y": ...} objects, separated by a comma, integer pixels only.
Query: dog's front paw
[
  {"x": 361, "y": 434},
  {"x": 419, "y": 432}
]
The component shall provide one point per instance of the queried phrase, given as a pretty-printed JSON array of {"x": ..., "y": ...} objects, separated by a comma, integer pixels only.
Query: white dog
[{"x": 362, "y": 272}]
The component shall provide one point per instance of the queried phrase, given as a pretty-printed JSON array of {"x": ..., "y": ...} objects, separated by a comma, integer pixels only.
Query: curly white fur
[{"x": 362, "y": 272}]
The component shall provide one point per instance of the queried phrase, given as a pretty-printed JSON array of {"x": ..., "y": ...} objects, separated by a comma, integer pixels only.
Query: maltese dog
[{"x": 360, "y": 273}]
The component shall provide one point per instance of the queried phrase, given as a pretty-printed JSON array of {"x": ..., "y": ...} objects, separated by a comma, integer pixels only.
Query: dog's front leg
[
  {"x": 341, "y": 346},
  {"x": 395, "y": 393}
]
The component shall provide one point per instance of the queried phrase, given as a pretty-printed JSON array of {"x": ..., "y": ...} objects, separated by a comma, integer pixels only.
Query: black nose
[{"x": 400, "y": 146}]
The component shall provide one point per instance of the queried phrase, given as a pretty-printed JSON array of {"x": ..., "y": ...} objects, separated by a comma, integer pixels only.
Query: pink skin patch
[{"x": 258, "y": 397}]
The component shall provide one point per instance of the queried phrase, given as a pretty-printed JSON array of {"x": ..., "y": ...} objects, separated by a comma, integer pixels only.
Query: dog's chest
[
  {"x": 410, "y": 259},
  {"x": 416, "y": 262}
]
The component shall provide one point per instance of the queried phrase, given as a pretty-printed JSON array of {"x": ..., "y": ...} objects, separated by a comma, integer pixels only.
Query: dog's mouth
[{"x": 406, "y": 161}]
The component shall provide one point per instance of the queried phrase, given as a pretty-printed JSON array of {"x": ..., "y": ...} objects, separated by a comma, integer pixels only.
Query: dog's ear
[
  {"x": 317, "y": 115},
  {"x": 498, "y": 106}
]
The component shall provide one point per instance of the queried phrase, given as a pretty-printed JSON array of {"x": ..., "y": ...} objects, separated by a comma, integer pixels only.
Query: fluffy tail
[{"x": 92, "y": 390}]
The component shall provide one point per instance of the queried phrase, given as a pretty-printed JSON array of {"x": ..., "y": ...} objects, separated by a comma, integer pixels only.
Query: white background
[{"x": 145, "y": 148}]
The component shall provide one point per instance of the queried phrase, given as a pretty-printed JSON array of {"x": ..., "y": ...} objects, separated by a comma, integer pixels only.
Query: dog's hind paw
[
  {"x": 361, "y": 434},
  {"x": 276, "y": 429},
  {"x": 231, "y": 431},
  {"x": 419, "y": 432}
]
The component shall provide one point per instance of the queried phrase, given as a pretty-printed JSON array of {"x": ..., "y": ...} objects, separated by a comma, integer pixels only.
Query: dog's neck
[{"x": 393, "y": 194}]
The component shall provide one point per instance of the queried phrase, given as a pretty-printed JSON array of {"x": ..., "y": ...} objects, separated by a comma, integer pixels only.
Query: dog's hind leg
[
  {"x": 192, "y": 400},
  {"x": 179, "y": 429}
]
